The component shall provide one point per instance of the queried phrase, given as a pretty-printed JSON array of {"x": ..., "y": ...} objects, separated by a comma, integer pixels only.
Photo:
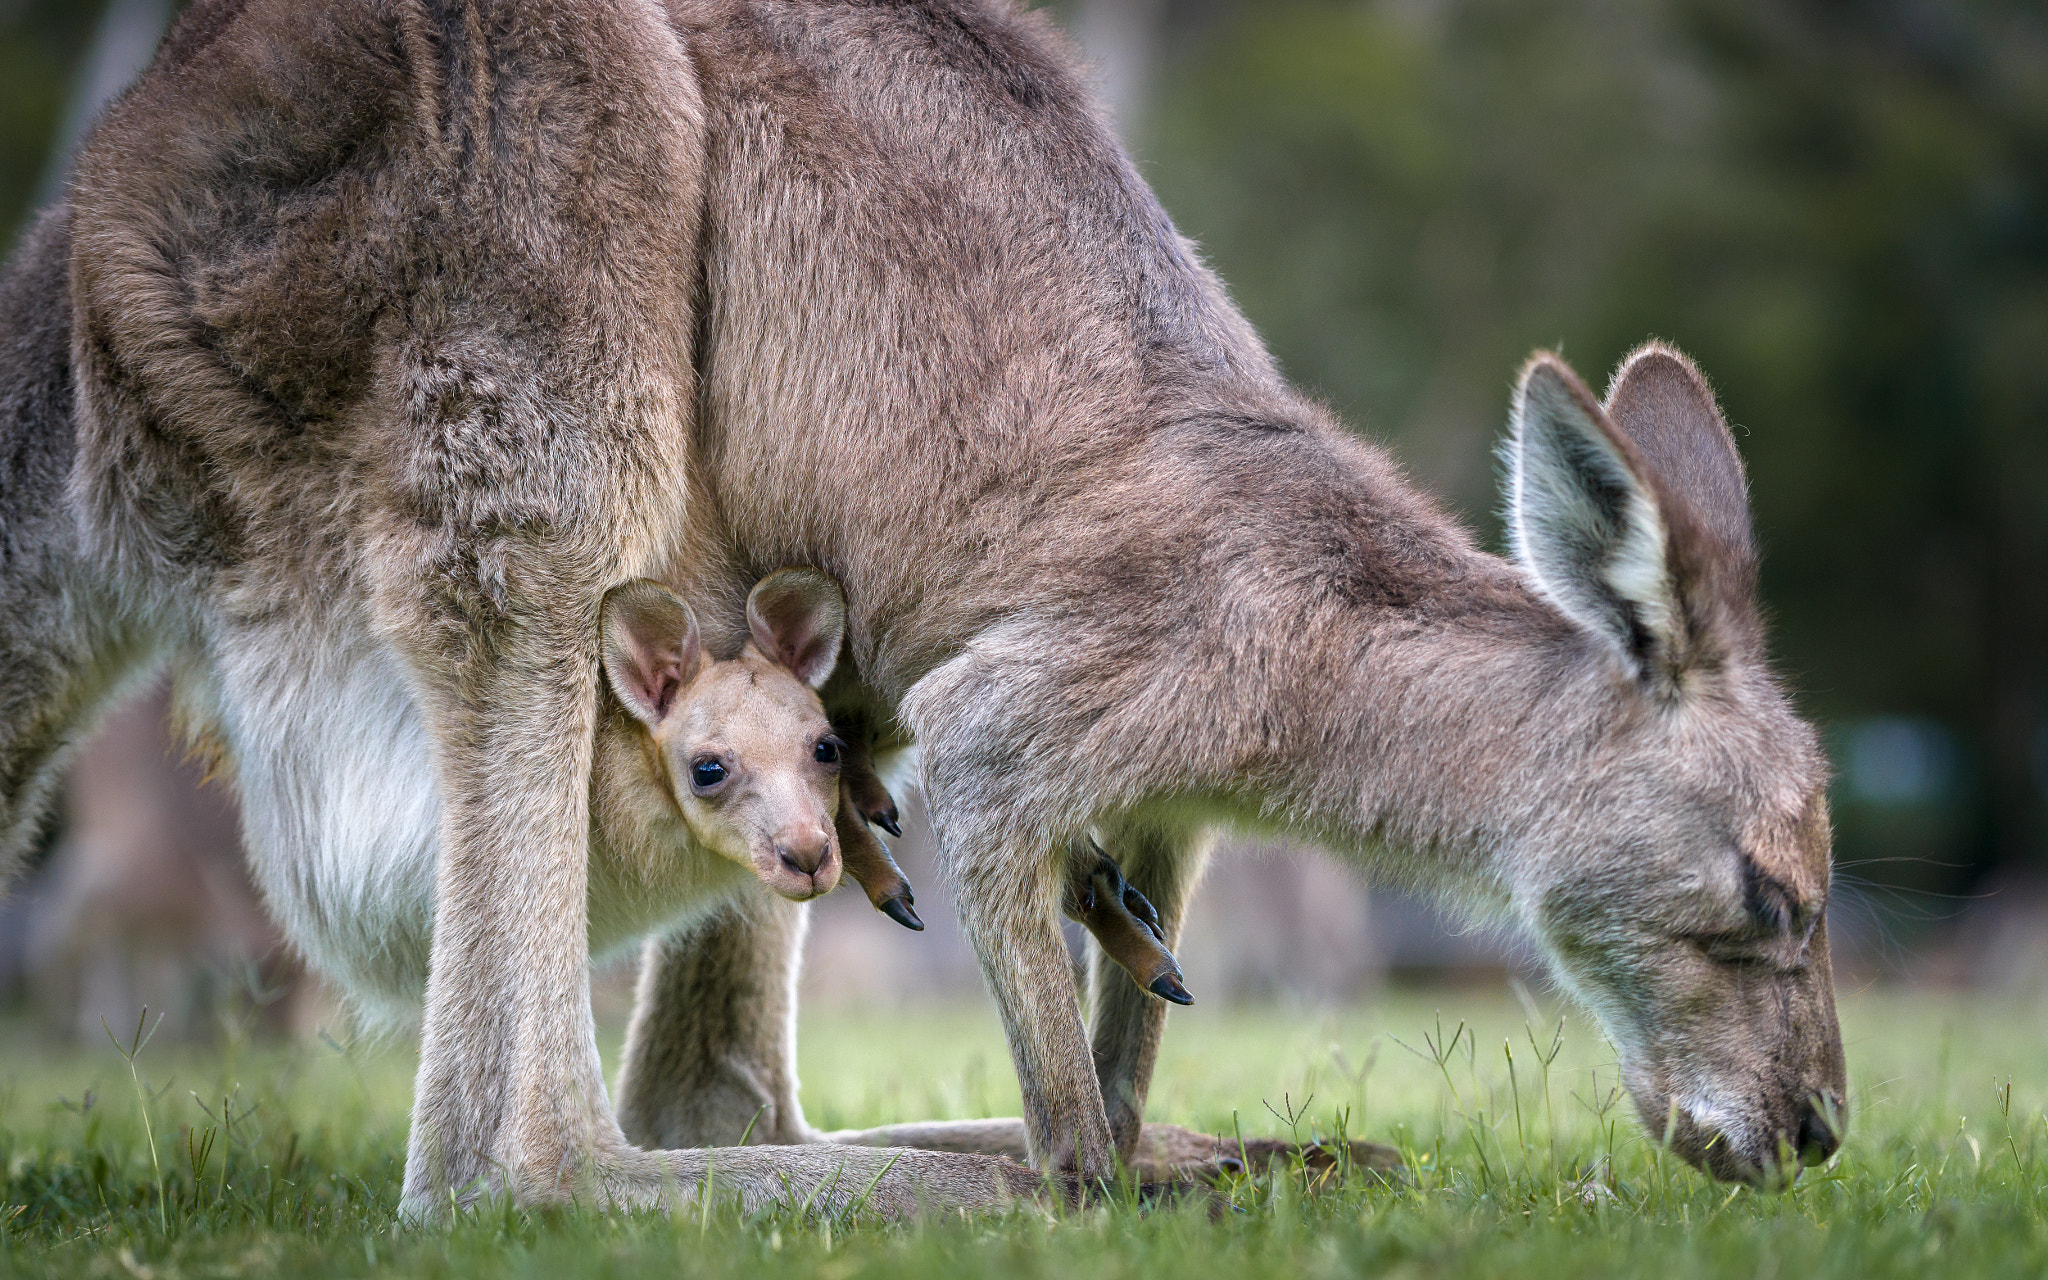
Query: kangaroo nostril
[
  {"x": 1817, "y": 1139},
  {"x": 802, "y": 858}
]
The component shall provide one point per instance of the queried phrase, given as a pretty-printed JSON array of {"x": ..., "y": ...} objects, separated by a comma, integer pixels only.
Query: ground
[{"x": 1517, "y": 1168}]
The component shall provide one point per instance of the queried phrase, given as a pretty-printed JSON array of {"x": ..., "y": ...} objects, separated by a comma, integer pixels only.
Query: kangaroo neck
[
  {"x": 1310, "y": 642},
  {"x": 1432, "y": 755}
]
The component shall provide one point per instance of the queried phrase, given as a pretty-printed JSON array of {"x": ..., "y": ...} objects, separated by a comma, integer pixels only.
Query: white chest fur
[{"x": 340, "y": 819}]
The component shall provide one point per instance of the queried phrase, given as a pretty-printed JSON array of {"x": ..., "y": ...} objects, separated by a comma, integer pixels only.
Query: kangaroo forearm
[{"x": 509, "y": 1077}]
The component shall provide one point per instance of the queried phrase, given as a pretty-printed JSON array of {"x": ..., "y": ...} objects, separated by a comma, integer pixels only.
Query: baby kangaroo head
[
  {"x": 1679, "y": 877},
  {"x": 744, "y": 746}
]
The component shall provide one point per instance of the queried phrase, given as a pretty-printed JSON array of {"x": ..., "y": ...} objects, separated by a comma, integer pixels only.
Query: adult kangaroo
[{"x": 377, "y": 340}]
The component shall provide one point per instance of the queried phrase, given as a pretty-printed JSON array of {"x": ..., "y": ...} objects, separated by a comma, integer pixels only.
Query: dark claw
[
  {"x": 886, "y": 820},
  {"x": 1140, "y": 906},
  {"x": 1167, "y": 987},
  {"x": 898, "y": 909}
]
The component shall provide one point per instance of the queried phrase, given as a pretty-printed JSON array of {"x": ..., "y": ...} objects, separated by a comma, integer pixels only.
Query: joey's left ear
[
  {"x": 1632, "y": 517},
  {"x": 650, "y": 647},
  {"x": 798, "y": 618}
]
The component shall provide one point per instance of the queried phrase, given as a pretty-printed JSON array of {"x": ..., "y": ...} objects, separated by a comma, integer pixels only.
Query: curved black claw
[
  {"x": 1140, "y": 906},
  {"x": 898, "y": 909},
  {"x": 1119, "y": 888},
  {"x": 1167, "y": 987},
  {"x": 887, "y": 821}
]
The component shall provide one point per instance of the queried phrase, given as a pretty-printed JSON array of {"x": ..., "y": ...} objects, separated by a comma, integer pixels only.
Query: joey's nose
[
  {"x": 803, "y": 852},
  {"x": 1818, "y": 1137}
]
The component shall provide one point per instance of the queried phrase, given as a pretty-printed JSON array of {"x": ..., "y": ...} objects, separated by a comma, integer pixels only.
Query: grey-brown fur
[{"x": 403, "y": 330}]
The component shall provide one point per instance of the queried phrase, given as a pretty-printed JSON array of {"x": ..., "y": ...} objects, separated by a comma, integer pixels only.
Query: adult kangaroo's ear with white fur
[
  {"x": 798, "y": 618},
  {"x": 1633, "y": 517},
  {"x": 651, "y": 648}
]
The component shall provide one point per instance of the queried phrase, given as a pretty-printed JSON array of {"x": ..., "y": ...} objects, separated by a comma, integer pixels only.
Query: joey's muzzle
[{"x": 800, "y": 864}]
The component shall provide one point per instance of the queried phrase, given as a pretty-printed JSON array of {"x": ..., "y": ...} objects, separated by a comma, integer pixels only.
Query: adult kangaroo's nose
[
  {"x": 1818, "y": 1137},
  {"x": 804, "y": 851}
]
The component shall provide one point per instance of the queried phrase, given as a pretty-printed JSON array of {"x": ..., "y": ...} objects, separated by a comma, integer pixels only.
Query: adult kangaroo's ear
[
  {"x": 651, "y": 648},
  {"x": 1662, "y": 403},
  {"x": 798, "y": 618},
  {"x": 1604, "y": 517}
]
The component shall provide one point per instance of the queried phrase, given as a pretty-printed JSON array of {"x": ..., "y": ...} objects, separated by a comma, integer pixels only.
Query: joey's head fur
[
  {"x": 741, "y": 749},
  {"x": 1682, "y": 888}
]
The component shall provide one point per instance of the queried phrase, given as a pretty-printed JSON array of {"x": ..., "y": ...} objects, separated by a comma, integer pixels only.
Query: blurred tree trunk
[
  {"x": 148, "y": 902},
  {"x": 1122, "y": 38},
  {"x": 121, "y": 47}
]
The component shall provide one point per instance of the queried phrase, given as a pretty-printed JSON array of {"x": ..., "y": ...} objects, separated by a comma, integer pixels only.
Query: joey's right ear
[
  {"x": 651, "y": 648},
  {"x": 798, "y": 618}
]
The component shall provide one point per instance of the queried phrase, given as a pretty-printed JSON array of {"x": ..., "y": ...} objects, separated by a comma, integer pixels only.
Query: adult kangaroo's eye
[
  {"x": 828, "y": 750},
  {"x": 705, "y": 775}
]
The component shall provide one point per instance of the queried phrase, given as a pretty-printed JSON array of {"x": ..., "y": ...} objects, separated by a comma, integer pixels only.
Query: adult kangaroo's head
[{"x": 1681, "y": 883}]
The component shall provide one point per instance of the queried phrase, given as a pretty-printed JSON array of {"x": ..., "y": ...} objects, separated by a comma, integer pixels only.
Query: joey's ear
[
  {"x": 798, "y": 618},
  {"x": 651, "y": 649},
  {"x": 1632, "y": 518}
]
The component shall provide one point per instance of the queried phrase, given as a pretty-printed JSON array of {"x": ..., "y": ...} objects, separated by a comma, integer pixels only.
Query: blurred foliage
[
  {"x": 1840, "y": 208},
  {"x": 40, "y": 47}
]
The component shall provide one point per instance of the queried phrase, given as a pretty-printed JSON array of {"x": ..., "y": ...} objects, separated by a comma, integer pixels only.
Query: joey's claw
[
  {"x": 1140, "y": 906},
  {"x": 868, "y": 863},
  {"x": 898, "y": 909},
  {"x": 1167, "y": 986},
  {"x": 1125, "y": 925},
  {"x": 864, "y": 788}
]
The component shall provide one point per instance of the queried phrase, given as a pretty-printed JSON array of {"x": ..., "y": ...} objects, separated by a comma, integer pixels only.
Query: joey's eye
[
  {"x": 827, "y": 750},
  {"x": 705, "y": 775}
]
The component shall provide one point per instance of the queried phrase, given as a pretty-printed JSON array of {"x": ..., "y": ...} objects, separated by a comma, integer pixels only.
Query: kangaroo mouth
[
  {"x": 794, "y": 882},
  {"x": 1730, "y": 1146}
]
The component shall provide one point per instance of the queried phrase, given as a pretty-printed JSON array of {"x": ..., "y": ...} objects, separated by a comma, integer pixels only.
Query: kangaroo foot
[
  {"x": 1125, "y": 924},
  {"x": 869, "y": 863},
  {"x": 1168, "y": 1151},
  {"x": 891, "y": 1183},
  {"x": 864, "y": 789}
]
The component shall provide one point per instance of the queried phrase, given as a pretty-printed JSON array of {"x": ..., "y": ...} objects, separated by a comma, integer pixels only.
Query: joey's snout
[
  {"x": 801, "y": 862},
  {"x": 803, "y": 850}
]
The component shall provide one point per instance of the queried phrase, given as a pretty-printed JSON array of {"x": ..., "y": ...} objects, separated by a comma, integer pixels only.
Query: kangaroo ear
[
  {"x": 651, "y": 648},
  {"x": 798, "y": 618},
  {"x": 1660, "y": 401},
  {"x": 1632, "y": 518}
]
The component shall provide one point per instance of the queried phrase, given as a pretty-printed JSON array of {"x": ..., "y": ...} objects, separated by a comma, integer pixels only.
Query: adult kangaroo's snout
[
  {"x": 1819, "y": 1134},
  {"x": 1739, "y": 1065}
]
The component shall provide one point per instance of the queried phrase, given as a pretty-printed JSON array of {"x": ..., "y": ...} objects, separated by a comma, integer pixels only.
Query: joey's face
[
  {"x": 744, "y": 746},
  {"x": 753, "y": 765},
  {"x": 1684, "y": 901}
]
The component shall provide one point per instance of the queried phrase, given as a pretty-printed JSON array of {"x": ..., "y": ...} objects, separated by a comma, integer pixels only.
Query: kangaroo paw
[
  {"x": 1126, "y": 926},
  {"x": 869, "y": 863},
  {"x": 863, "y": 789}
]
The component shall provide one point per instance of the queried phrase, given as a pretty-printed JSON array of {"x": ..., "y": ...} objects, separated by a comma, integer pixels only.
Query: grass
[{"x": 286, "y": 1160}]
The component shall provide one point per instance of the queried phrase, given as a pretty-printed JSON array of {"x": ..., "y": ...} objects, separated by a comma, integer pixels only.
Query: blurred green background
[{"x": 1840, "y": 209}]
